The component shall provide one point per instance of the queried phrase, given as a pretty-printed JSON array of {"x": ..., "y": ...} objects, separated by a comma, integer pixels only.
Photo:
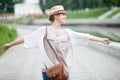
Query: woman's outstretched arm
[
  {"x": 99, "y": 39},
  {"x": 15, "y": 42}
]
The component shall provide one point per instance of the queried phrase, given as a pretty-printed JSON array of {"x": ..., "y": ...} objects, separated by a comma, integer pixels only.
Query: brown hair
[{"x": 51, "y": 18}]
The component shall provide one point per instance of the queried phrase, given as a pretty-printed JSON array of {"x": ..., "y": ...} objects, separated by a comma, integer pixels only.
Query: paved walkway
[{"x": 25, "y": 64}]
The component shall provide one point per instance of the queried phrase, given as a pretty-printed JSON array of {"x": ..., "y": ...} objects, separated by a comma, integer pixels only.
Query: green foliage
[
  {"x": 79, "y": 4},
  {"x": 6, "y": 35},
  {"x": 109, "y": 3},
  {"x": 6, "y": 6},
  {"x": 18, "y": 1},
  {"x": 92, "y": 13}
]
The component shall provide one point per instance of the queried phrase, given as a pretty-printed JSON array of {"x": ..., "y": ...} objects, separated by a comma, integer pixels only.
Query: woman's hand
[
  {"x": 105, "y": 40},
  {"x": 6, "y": 46},
  {"x": 16, "y": 42}
]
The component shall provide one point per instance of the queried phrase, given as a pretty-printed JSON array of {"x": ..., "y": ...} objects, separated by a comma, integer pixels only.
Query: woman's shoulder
[
  {"x": 39, "y": 30},
  {"x": 69, "y": 30}
]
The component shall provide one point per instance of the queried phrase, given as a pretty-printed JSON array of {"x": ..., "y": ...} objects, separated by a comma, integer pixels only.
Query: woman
[{"x": 61, "y": 40}]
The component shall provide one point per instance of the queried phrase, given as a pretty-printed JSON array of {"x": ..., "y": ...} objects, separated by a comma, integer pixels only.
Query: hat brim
[{"x": 58, "y": 12}]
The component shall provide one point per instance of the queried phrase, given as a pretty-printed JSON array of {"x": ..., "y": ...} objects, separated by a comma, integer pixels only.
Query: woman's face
[{"x": 61, "y": 18}]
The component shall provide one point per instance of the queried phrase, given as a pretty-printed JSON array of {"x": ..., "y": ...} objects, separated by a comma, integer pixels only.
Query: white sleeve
[
  {"x": 32, "y": 40},
  {"x": 80, "y": 39},
  {"x": 81, "y": 35}
]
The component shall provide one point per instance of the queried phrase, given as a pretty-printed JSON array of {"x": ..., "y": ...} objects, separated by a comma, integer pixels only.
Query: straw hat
[{"x": 56, "y": 9}]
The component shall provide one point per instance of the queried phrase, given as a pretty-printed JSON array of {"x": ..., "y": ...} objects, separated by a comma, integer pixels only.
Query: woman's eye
[{"x": 64, "y": 14}]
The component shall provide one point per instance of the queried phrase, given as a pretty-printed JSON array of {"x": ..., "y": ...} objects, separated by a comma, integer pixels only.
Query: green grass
[
  {"x": 20, "y": 20},
  {"x": 92, "y": 13},
  {"x": 23, "y": 19},
  {"x": 115, "y": 37},
  {"x": 6, "y": 35},
  {"x": 114, "y": 13}
]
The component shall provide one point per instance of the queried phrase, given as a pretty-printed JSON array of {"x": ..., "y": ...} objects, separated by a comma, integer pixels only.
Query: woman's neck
[{"x": 56, "y": 25}]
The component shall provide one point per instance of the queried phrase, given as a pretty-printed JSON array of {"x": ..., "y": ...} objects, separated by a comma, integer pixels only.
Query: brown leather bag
[{"x": 57, "y": 72}]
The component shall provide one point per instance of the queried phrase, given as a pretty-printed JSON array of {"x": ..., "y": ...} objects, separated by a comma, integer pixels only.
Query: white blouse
[
  {"x": 35, "y": 40},
  {"x": 57, "y": 44}
]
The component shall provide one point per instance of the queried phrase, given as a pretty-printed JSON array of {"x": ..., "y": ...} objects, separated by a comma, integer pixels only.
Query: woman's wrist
[{"x": 101, "y": 40}]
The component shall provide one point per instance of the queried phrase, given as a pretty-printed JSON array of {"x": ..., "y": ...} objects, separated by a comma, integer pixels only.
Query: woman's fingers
[
  {"x": 106, "y": 41},
  {"x": 6, "y": 46}
]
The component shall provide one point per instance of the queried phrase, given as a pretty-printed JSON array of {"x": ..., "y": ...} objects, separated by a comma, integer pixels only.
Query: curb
[{"x": 111, "y": 49}]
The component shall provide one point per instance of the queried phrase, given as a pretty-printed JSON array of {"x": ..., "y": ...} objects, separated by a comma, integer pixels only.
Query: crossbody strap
[
  {"x": 46, "y": 34},
  {"x": 54, "y": 50}
]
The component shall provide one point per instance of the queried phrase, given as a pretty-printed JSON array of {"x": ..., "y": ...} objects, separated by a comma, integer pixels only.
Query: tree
[
  {"x": 80, "y": 4},
  {"x": 17, "y": 1},
  {"x": 7, "y": 6}
]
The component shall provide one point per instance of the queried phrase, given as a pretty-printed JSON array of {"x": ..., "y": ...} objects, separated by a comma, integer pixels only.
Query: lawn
[
  {"x": 6, "y": 35},
  {"x": 91, "y": 13}
]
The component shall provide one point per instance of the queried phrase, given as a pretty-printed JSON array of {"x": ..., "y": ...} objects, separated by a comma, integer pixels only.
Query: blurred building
[{"x": 28, "y": 7}]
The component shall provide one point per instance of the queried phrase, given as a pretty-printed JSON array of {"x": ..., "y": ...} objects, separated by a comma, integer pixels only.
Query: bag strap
[
  {"x": 46, "y": 34},
  {"x": 45, "y": 38}
]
